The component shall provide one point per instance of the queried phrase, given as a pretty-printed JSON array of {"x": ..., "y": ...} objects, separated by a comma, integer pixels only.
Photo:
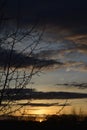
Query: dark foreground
[{"x": 54, "y": 122}]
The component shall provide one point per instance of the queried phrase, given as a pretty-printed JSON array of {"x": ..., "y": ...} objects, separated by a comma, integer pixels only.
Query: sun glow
[
  {"x": 40, "y": 111},
  {"x": 40, "y": 118}
]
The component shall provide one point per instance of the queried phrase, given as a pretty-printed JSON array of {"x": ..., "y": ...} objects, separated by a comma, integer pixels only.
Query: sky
[
  {"x": 63, "y": 49},
  {"x": 48, "y": 10}
]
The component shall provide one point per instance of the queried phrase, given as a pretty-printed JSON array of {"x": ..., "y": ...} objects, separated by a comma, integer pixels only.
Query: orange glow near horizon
[
  {"x": 43, "y": 111},
  {"x": 39, "y": 113}
]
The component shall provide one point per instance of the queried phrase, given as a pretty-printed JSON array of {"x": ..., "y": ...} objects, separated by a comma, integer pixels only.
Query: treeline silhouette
[{"x": 52, "y": 122}]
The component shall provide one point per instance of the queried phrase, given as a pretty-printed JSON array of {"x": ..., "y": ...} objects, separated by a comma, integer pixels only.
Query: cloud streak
[
  {"x": 13, "y": 94},
  {"x": 20, "y": 60},
  {"x": 78, "y": 85}
]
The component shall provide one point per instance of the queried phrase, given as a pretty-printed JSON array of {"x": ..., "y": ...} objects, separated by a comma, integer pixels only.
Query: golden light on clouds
[
  {"x": 39, "y": 111},
  {"x": 78, "y": 38}
]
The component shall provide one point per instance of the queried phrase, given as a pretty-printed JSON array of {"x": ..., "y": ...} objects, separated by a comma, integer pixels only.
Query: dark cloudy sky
[
  {"x": 65, "y": 37},
  {"x": 49, "y": 9}
]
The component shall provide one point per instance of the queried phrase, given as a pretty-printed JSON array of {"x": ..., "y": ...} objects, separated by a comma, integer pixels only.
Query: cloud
[
  {"x": 66, "y": 45},
  {"x": 19, "y": 94},
  {"x": 67, "y": 49},
  {"x": 21, "y": 60},
  {"x": 39, "y": 104},
  {"x": 70, "y": 59},
  {"x": 79, "y": 39},
  {"x": 44, "y": 104},
  {"x": 74, "y": 84}
]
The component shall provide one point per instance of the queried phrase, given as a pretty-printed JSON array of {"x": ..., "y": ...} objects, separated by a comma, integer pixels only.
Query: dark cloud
[
  {"x": 44, "y": 104},
  {"x": 69, "y": 16},
  {"x": 71, "y": 55},
  {"x": 40, "y": 104},
  {"x": 78, "y": 85},
  {"x": 17, "y": 94},
  {"x": 20, "y": 60}
]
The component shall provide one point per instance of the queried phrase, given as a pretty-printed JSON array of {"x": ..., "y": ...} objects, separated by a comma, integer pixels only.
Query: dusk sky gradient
[{"x": 64, "y": 47}]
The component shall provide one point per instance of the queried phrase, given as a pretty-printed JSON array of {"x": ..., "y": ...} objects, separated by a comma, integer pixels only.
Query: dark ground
[{"x": 53, "y": 122}]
